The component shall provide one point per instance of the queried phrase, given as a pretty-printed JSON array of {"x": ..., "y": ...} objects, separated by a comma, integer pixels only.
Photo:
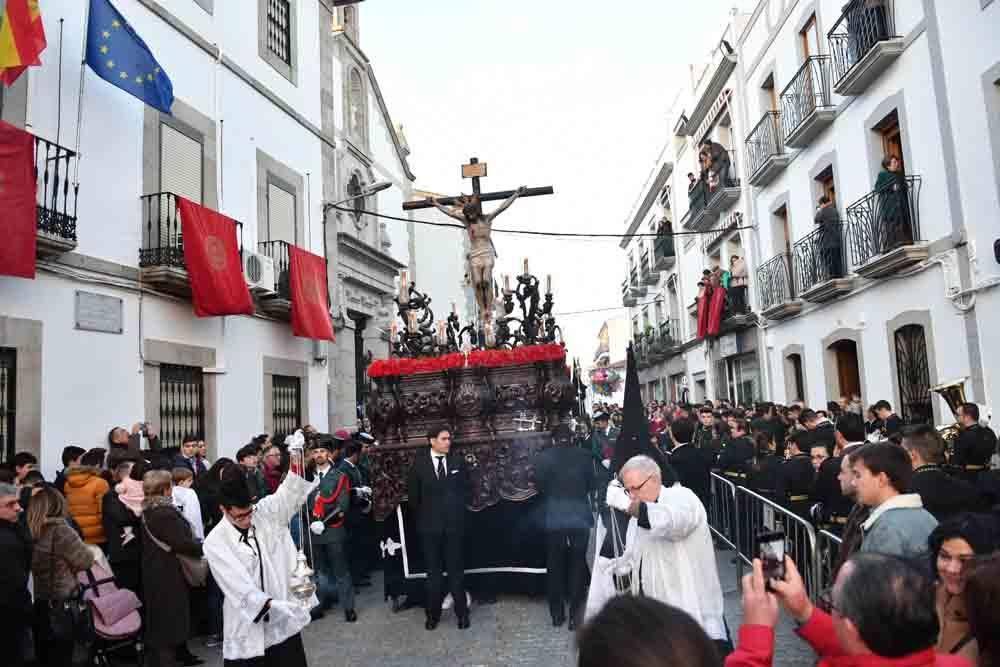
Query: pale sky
[{"x": 569, "y": 93}]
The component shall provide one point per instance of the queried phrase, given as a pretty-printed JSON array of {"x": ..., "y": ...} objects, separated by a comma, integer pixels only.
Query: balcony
[
  {"x": 628, "y": 298},
  {"x": 710, "y": 239},
  {"x": 776, "y": 288},
  {"x": 650, "y": 276},
  {"x": 885, "y": 229},
  {"x": 657, "y": 344},
  {"x": 278, "y": 303},
  {"x": 56, "y": 198},
  {"x": 863, "y": 43},
  {"x": 806, "y": 105},
  {"x": 705, "y": 205},
  {"x": 161, "y": 257},
  {"x": 664, "y": 254},
  {"x": 766, "y": 156},
  {"x": 821, "y": 264}
]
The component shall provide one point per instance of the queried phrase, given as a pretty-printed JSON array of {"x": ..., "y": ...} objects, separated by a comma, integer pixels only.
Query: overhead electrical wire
[{"x": 527, "y": 232}]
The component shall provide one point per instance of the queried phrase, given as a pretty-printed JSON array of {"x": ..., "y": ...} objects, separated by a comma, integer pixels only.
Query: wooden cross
[{"x": 477, "y": 170}]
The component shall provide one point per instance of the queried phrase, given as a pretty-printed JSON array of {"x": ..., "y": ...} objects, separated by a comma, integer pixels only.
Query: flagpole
[
  {"x": 59, "y": 91},
  {"x": 79, "y": 97}
]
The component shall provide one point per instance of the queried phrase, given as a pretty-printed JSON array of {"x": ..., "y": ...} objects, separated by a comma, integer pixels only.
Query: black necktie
[{"x": 440, "y": 467}]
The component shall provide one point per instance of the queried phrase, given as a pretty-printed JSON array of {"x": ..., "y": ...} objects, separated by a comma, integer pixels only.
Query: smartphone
[{"x": 771, "y": 550}]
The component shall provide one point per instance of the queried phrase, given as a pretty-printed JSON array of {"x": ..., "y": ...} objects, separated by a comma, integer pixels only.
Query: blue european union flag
[{"x": 119, "y": 56}]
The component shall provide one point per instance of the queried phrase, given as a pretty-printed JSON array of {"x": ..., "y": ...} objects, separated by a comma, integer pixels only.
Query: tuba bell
[{"x": 954, "y": 394}]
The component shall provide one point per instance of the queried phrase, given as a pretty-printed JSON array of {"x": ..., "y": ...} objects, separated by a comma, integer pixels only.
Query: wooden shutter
[
  {"x": 280, "y": 214},
  {"x": 180, "y": 164}
]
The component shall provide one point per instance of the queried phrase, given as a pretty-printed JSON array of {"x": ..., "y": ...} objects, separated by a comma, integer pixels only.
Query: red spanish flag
[
  {"x": 17, "y": 202},
  {"x": 213, "y": 262},
  {"x": 310, "y": 304},
  {"x": 22, "y": 38}
]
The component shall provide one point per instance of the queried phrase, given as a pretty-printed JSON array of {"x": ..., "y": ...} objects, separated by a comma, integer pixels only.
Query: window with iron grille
[
  {"x": 182, "y": 403},
  {"x": 913, "y": 375},
  {"x": 8, "y": 404},
  {"x": 279, "y": 32},
  {"x": 286, "y": 402}
]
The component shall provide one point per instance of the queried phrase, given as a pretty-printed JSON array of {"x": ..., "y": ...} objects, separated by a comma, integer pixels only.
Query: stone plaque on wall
[{"x": 98, "y": 312}]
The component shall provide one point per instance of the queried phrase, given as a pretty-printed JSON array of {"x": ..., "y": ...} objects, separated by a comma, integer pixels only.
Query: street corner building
[
  {"x": 173, "y": 187},
  {"x": 819, "y": 223}
]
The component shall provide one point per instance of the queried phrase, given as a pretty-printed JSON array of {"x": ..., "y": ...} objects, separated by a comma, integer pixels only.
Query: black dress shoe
[
  {"x": 350, "y": 616},
  {"x": 557, "y": 621},
  {"x": 572, "y": 624},
  {"x": 463, "y": 621},
  {"x": 431, "y": 623}
]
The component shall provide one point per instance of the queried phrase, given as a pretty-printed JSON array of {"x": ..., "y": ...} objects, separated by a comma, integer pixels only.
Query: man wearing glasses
[{"x": 667, "y": 544}]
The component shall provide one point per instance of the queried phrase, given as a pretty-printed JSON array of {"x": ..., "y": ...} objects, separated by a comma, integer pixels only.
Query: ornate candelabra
[{"x": 301, "y": 581}]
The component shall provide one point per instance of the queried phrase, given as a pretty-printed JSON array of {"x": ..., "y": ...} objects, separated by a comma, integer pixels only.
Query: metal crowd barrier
[
  {"x": 722, "y": 518},
  {"x": 827, "y": 549}
]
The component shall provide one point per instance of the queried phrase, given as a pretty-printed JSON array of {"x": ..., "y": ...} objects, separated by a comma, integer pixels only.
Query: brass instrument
[{"x": 954, "y": 394}]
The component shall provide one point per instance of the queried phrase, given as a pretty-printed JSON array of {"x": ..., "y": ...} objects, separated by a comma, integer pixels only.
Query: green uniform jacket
[{"x": 335, "y": 513}]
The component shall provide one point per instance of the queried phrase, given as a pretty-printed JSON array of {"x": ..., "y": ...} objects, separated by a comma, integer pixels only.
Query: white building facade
[
  {"x": 105, "y": 335},
  {"x": 884, "y": 311}
]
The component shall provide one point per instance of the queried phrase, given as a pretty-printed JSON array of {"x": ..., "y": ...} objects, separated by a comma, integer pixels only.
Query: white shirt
[
  {"x": 322, "y": 472},
  {"x": 434, "y": 462},
  {"x": 186, "y": 500},
  {"x": 237, "y": 565}
]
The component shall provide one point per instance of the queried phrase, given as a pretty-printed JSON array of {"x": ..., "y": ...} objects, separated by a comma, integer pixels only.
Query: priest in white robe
[
  {"x": 668, "y": 546},
  {"x": 251, "y": 555}
]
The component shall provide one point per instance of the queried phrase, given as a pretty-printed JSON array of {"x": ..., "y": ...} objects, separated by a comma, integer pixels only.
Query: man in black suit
[
  {"x": 976, "y": 444},
  {"x": 891, "y": 422},
  {"x": 943, "y": 495},
  {"x": 692, "y": 464},
  {"x": 565, "y": 478},
  {"x": 437, "y": 490},
  {"x": 796, "y": 474}
]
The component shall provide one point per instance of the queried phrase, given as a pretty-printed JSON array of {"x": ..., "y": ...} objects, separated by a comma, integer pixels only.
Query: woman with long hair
[
  {"x": 58, "y": 555},
  {"x": 982, "y": 603},
  {"x": 953, "y": 546},
  {"x": 166, "y": 534}
]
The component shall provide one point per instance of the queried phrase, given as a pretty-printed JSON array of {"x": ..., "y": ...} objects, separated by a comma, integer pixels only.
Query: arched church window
[
  {"x": 356, "y": 110},
  {"x": 913, "y": 375}
]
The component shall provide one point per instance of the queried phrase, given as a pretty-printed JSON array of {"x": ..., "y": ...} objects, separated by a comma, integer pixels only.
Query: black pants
[
  {"x": 48, "y": 651},
  {"x": 566, "y": 560},
  {"x": 289, "y": 653},
  {"x": 446, "y": 549}
]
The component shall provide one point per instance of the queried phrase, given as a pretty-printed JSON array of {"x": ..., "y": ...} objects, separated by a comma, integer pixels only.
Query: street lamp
[{"x": 365, "y": 192}]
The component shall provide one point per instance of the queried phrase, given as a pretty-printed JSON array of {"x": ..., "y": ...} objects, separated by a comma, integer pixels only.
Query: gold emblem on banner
[
  {"x": 215, "y": 252},
  {"x": 312, "y": 289}
]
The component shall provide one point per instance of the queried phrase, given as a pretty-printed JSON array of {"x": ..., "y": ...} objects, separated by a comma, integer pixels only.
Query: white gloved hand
[
  {"x": 282, "y": 609},
  {"x": 606, "y": 463},
  {"x": 616, "y": 497},
  {"x": 317, "y": 527},
  {"x": 365, "y": 490}
]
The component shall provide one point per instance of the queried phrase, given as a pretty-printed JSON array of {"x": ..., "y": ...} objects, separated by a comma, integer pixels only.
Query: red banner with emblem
[
  {"x": 310, "y": 305},
  {"x": 212, "y": 255},
  {"x": 17, "y": 202}
]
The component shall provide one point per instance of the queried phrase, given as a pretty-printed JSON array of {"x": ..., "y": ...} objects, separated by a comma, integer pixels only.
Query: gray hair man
[
  {"x": 15, "y": 554},
  {"x": 668, "y": 545}
]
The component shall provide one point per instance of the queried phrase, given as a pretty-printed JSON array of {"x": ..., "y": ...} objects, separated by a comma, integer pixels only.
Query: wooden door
[{"x": 848, "y": 375}]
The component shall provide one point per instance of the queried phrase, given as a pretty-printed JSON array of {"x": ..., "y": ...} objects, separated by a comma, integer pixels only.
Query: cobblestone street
[{"x": 516, "y": 630}]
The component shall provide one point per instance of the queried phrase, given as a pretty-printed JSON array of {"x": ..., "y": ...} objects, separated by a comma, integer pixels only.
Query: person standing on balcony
[
  {"x": 829, "y": 244},
  {"x": 738, "y": 284},
  {"x": 893, "y": 206},
  {"x": 719, "y": 162}
]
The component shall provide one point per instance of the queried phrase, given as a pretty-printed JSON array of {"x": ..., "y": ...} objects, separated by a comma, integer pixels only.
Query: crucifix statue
[{"x": 468, "y": 210}]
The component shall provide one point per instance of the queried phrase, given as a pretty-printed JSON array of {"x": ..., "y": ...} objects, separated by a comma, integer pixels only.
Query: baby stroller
[{"x": 115, "y": 617}]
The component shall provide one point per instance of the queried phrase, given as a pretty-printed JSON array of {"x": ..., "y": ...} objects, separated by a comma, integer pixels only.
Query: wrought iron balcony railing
[
  {"x": 885, "y": 219},
  {"x": 774, "y": 281},
  {"x": 764, "y": 142},
  {"x": 808, "y": 91},
  {"x": 697, "y": 199},
  {"x": 820, "y": 256},
  {"x": 862, "y": 25},
  {"x": 162, "y": 242},
  {"x": 279, "y": 252},
  {"x": 670, "y": 333},
  {"x": 56, "y": 196}
]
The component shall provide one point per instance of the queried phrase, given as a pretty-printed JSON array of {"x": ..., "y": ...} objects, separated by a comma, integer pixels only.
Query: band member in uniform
[
  {"x": 795, "y": 476},
  {"x": 976, "y": 444},
  {"x": 708, "y": 434},
  {"x": 564, "y": 478},
  {"x": 892, "y": 425},
  {"x": 437, "y": 489},
  {"x": 329, "y": 505},
  {"x": 942, "y": 494},
  {"x": 738, "y": 452},
  {"x": 692, "y": 464}
]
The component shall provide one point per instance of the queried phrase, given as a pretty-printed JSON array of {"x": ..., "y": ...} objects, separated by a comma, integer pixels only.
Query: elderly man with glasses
[{"x": 667, "y": 551}]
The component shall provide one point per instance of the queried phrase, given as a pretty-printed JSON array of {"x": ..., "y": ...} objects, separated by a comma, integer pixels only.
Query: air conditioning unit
[{"x": 259, "y": 271}]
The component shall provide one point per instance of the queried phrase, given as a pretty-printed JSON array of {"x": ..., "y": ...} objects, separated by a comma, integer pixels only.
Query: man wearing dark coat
[
  {"x": 692, "y": 464},
  {"x": 830, "y": 245},
  {"x": 564, "y": 478},
  {"x": 975, "y": 445},
  {"x": 329, "y": 504},
  {"x": 15, "y": 554},
  {"x": 795, "y": 476},
  {"x": 942, "y": 494},
  {"x": 738, "y": 452}
]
